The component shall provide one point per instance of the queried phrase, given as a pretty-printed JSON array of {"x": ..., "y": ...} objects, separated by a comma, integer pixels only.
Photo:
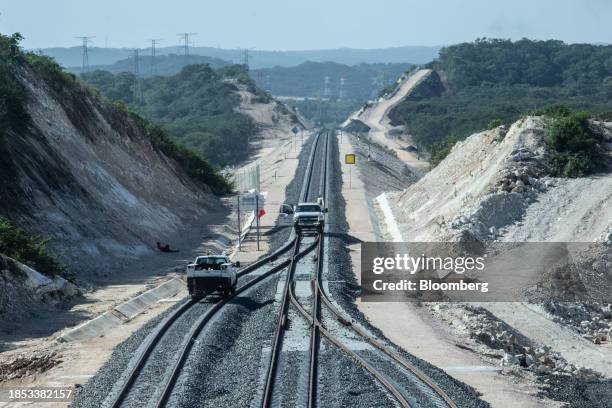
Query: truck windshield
[
  {"x": 211, "y": 261},
  {"x": 309, "y": 208}
]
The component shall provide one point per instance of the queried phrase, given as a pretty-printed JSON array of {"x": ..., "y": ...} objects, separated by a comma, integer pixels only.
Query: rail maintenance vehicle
[
  {"x": 211, "y": 273},
  {"x": 306, "y": 216}
]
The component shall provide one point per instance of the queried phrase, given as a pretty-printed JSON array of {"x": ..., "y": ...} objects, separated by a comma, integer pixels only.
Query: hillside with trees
[
  {"x": 491, "y": 82},
  {"x": 84, "y": 179},
  {"x": 361, "y": 82},
  {"x": 170, "y": 64},
  {"x": 197, "y": 107}
]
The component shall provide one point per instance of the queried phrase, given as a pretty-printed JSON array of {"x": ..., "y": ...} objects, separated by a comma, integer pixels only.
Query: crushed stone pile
[
  {"x": 22, "y": 289},
  {"x": 507, "y": 345},
  {"x": 485, "y": 183}
]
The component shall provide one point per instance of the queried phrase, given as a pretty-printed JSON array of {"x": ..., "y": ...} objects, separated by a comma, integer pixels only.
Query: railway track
[
  {"x": 130, "y": 383},
  {"x": 318, "y": 329},
  {"x": 297, "y": 248},
  {"x": 166, "y": 325}
]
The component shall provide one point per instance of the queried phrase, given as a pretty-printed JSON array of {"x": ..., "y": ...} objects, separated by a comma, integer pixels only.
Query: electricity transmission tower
[
  {"x": 326, "y": 90},
  {"x": 137, "y": 88},
  {"x": 86, "y": 41},
  {"x": 154, "y": 43},
  {"x": 246, "y": 56},
  {"x": 184, "y": 37},
  {"x": 341, "y": 92}
]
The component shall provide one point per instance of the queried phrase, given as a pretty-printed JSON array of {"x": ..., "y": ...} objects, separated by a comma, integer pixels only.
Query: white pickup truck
[
  {"x": 305, "y": 216},
  {"x": 211, "y": 273}
]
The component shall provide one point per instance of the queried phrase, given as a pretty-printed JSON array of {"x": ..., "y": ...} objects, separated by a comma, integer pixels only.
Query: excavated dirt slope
[{"x": 492, "y": 186}]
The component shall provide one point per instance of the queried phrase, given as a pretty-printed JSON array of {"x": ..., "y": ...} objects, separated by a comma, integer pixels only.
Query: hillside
[
  {"x": 170, "y": 64},
  {"x": 100, "y": 182},
  {"x": 495, "y": 188},
  {"x": 72, "y": 56},
  {"x": 199, "y": 107},
  {"x": 496, "y": 185},
  {"x": 361, "y": 82},
  {"x": 499, "y": 80}
]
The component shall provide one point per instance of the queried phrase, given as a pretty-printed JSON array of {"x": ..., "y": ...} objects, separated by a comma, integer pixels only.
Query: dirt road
[{"x": 377, "y": 119}]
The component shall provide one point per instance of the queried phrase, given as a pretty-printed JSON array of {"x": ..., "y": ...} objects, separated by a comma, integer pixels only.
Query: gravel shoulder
[
  {"x": 32, "y": 339},
  {"x": 408, "y": 326}
]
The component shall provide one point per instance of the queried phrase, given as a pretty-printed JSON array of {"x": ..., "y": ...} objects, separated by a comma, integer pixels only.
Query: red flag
[{"x": 262, "y": 212}]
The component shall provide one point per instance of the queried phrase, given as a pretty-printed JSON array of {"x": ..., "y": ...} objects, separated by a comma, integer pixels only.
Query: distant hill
[
  {"x": 498, "y": 81},
  {"x": 199, "y": 107},
  {"x": 361, "y": 82},
  {"x": 72, "y": 57},
  {"x": 170, "y": 64}
]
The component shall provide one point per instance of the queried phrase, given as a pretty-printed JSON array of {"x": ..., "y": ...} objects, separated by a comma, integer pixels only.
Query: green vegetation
[
  {"x": 170, "y": 64},
  {"x": 495, "y": 123},
  {"x": 361, "y": 82},
  {"x": 13, "y": 113},
  {"x": 196, "y": 107},
  {"x": 51, "y": 72},
  {"x": 195, "y": 166},
  {"x": 575, "y": 144},
  {"x": 499, "y": 80},
  {"x": 31, "y": 251},
  {"x": 325, "y": 112},
  {"x": 441, "y": 149}
]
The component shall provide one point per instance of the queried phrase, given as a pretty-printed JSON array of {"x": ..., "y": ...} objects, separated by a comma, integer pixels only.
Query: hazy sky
[{"x": 304, "y": 24}]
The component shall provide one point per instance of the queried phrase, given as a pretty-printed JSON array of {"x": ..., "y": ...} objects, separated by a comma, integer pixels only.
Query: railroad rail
[
  {"x": 162, "y": 329},
  {"x": 297, "y": 249},
  {"x": 318, "y": 329}
]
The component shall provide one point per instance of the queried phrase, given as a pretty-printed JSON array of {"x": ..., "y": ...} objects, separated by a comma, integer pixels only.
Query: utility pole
[
  {"x": 239, "y": 226},
  {"x": 86, "y": 40},
  {"x": 154, "y": 43},
  {"x": 185, "y": 39},
  {"x": 257, "y": 214}
]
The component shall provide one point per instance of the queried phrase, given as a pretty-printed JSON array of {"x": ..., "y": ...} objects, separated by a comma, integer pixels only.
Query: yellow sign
[{"x": 349, "y": 159}]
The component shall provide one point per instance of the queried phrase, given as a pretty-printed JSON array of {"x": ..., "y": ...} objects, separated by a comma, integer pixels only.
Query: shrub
[
  {"x": 571, "y": 164},
  {"x": 13, "y": 113},
  {"x": 554, "y": 111},
  {"x": 193, "y": 164},
  {"x": 50, "y": 71},
  {"x": 440, "y": 150},
  {"x": 495, "y": 123},
  {"x": 31, "y": 251},
  {"x": 574, "y": 143}
]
